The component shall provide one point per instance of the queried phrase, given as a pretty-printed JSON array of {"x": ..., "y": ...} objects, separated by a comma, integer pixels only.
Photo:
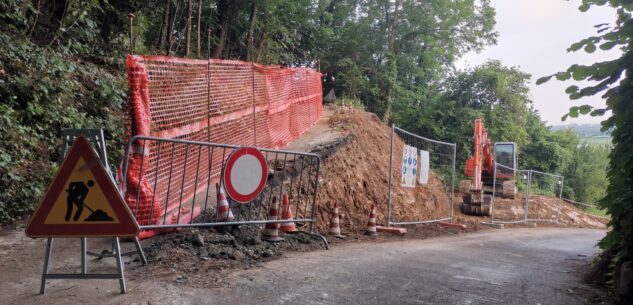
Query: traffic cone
[
  {"x": 335, "y": 228},
  {"x": 224, "y": 213},
  {"x": 371, "y": 224},
  {"x": 271, "y": 230},
  {"x": 286, "y": 214}
]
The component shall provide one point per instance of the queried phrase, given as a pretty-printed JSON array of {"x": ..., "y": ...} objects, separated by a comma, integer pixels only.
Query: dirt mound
[{"x": 356, "y": 177}]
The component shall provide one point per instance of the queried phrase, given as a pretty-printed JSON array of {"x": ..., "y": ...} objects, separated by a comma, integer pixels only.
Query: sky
[{"x": 534, "y": 36}]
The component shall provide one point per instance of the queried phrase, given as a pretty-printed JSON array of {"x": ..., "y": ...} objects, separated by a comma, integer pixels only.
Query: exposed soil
[
  {"x": 200, "y": 258},
  {"x": 545, "y": 209},
  {"x": 356, "y": 177}
]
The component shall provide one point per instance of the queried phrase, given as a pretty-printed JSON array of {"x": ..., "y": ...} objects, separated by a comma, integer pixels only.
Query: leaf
[
  {"x": 563, "y": 76},
  {"x": 573, "y": 112},
  {"x": 564, "y": 118},
  {"x": 572, "y": 89},
  {"x": 543, "y": 79},
  {"x": 584, "y": 109},
  {"x": 590, "y": 48},
  {"x": 578, "y": 72},
  {"x": 608, "y": 45},
  {"x": 598, "y": 112},
  {"x": 584, "y": 7}
]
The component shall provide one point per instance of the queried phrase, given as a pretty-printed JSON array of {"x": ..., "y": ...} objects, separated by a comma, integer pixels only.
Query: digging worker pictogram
[{"x": 77, "y": 192}]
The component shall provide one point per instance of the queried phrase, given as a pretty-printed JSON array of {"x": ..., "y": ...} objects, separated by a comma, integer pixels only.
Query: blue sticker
[{"x": 414, "y": 172}]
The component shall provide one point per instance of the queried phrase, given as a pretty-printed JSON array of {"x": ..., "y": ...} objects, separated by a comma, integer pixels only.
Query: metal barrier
[
  {"x": 441, "y": 173},
  {"x": 505, "y": 212},
  {"x": 548, "y": 185},
  {"x": 534, "y": 188},
  {"x": 183, "y": 194}
]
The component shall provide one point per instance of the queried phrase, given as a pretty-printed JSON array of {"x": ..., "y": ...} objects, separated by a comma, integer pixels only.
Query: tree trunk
[
  {"x": 170, "y": 30},
  {"x": 189, "y": 22},
  {"x": 251, "y": 30},
  {"x": 391, "y": 20},
  {"x": 223, "y": 11},
  {"x": 165, "y": 28},
  {"x": 199, "y": 17}
]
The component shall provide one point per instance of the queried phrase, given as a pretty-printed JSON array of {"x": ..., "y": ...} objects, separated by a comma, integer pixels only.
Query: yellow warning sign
[{"x": 82, "y": 200}]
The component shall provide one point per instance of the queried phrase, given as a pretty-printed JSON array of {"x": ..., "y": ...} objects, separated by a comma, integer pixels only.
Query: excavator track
[{"x": 476, "y": 209}]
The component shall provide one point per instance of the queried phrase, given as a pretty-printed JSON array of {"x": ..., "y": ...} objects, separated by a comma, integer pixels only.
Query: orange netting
[{"x": 221, "y": 101}]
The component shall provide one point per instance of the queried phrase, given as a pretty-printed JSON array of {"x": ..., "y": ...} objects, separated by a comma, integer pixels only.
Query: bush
[{"x": 42, "y": 93}]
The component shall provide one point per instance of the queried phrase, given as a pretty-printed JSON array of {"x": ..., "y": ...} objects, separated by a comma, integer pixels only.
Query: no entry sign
[{"x": 245, "y": 174}]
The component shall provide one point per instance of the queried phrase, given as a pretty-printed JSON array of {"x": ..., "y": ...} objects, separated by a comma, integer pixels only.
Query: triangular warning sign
[{"x": 82, "y": 201}]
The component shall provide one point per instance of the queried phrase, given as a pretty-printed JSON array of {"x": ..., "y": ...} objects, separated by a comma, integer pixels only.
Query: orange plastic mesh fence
[{"x": 221, "y": 101}]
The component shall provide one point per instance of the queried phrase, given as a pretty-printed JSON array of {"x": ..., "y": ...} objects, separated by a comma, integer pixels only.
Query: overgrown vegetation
[
  {"x": 614, "y": 81},
  {"x": 44, "y": 90}
]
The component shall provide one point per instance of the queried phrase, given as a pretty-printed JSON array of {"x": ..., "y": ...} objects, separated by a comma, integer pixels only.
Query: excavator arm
[{"x": 479, "y": 166}]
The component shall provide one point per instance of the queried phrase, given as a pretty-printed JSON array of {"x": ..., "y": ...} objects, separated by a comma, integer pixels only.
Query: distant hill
[{"x": 584, "y": 130}]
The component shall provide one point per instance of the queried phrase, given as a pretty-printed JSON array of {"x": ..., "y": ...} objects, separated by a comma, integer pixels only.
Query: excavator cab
[{"x": 506, "y": 158}]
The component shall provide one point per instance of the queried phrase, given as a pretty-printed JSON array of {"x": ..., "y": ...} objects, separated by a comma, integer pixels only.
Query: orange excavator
[{"x": 480, "y": 167}]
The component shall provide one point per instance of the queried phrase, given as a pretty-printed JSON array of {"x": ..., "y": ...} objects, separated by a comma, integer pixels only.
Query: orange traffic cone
[
  {"x": 224, "y": 213},
  {"x": 371, "y": 224},
  {"x": 335, "y": 228},
  {"x": 286, "y": 214},
  {"x": 271, "y": 230}
]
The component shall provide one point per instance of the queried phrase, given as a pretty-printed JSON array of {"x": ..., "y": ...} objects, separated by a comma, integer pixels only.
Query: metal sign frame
[{"x": 97, "y": 139}]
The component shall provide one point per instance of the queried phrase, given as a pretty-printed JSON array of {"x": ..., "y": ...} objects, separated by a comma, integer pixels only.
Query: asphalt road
[
  {"x": 511, "y": 266},
  {"x": 525, "y": 266}
]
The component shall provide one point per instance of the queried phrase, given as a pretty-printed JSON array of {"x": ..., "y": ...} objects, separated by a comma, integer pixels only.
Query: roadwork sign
[
  {"x": 82, "y": 201},
  {"x": 245, "y": 174}
]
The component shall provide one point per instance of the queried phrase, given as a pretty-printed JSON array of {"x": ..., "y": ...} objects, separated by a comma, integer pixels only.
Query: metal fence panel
[
  {"x": 544, "y": 186},
  {"x": 506, "y": 210},
  {"x": 441, "y": 159},
  {"x": 183, "y": 194}
]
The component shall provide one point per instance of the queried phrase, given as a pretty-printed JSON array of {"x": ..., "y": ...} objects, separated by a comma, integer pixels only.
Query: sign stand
[
  {"x": 83, "y": 201},
  {"x": 96, "y": 138},
  {"x": 116, "y": 246}
]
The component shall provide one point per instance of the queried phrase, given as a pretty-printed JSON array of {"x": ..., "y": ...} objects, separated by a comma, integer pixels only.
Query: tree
[
  {"x": 401, "y": 48},
  {"x": 492, "y": 92},
  {"x": 614, "y": 80}
]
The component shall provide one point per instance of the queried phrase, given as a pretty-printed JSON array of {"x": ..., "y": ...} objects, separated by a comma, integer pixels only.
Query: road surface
[{"x": 512, "y": 266}]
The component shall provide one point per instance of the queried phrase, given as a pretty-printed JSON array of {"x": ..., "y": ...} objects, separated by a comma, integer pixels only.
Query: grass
[{"x": 596, "y": 211}]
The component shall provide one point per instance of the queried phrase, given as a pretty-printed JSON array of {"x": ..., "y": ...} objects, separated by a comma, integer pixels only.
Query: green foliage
[
  {"x": 613, "y": 80},
  {"x": 41, "y": 94},
  {"x": 587, "y": 175}
]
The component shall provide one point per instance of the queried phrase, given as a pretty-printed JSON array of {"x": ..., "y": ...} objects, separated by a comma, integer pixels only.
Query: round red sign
[{"x": 245, "y": 174}]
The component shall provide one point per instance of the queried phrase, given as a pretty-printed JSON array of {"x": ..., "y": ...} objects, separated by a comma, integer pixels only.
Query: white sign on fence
[
  {"x": 409, "y": 166},
  {"x": 424, "y": 167}
]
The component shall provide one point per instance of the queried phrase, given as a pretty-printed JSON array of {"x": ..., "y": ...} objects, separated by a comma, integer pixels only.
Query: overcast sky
[{"x": 534, "y": 36}]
